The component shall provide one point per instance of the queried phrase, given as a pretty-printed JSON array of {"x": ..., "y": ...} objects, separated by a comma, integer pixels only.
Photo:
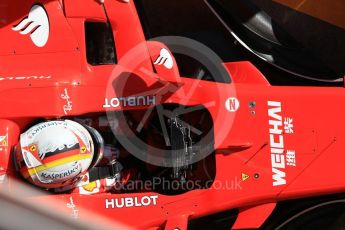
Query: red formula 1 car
[{"x": 221, "y": 149}]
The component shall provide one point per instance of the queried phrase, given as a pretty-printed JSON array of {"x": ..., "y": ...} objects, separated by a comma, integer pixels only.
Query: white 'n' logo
[{"x": 36, "y": 23}]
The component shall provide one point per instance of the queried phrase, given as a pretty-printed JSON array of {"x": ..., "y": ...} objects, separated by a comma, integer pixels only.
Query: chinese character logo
[
  {"x": 288, "y": 125},
  {"x": 290, "y": 158}
]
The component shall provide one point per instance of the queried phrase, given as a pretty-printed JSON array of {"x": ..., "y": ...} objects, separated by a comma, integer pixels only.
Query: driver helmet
[{"x": 55, "y": 154}]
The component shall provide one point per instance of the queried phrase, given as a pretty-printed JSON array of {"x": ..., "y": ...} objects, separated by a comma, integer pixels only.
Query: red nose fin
[{"x": 253, "y": 217}]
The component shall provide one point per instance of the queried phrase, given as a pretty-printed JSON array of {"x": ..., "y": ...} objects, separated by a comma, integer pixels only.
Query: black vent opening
[
  {"x": 100, "y": 46},
  {"x": 219, "y": 221}
]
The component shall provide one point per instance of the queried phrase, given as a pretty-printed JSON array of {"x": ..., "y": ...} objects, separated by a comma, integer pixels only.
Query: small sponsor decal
[
  {"x": 129, "y": 101},
  {"x": 73, "y": 207},
  {"x": 4, "y": 141},
  {"x": 129, "y": 202},
  {"x": 83, "y": 149},
  {"x": 68, "y": 106},
  {"x": 36, "y": 24},
  {"x": 33, "y": 148},
  {"x": 38, "y": 128},
  {"x": 90, "y": 188},
  {"x": 86, "y": 187},
  {"x": 244, "y": 177},
  {"x": 18, "y": 78},
  {"x": 232, "y": 104},
  {"x": 165, "y": 59},
  {"x": 280, "y": 156}
]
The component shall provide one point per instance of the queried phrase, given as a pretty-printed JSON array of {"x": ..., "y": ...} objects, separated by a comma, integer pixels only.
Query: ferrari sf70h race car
[{"x": 220, "y": 149}]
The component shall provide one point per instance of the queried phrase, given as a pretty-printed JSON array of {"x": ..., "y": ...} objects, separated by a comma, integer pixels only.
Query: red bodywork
[{"x": 33, "y": 79}]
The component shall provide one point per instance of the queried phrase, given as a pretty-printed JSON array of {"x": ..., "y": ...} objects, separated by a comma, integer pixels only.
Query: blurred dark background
[{"x": 300, "y": 48}]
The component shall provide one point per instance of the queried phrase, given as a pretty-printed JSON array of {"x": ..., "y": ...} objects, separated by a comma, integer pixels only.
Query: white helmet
[{"x": 56, "y": 154}]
